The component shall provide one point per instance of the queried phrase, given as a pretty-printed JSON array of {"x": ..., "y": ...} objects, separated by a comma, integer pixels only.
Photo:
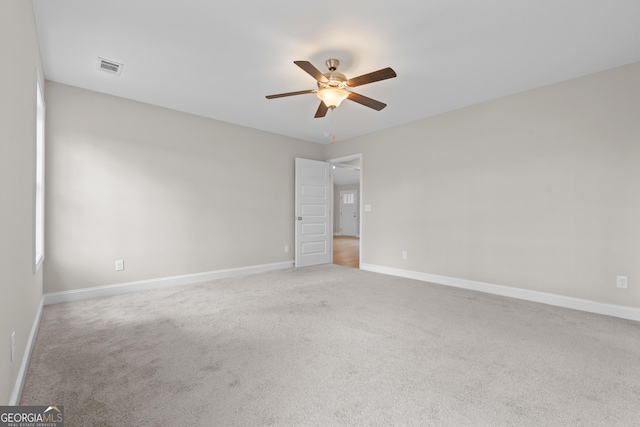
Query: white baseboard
[
  {"x": 142, "y": 285},
  {"x": 17, "y": 388},
  {"x": 621, "y": 311}
]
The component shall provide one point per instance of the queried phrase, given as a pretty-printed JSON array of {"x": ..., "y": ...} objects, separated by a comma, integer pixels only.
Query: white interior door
[
  {"x": 349, "y": 212},
  {"x": 313, "y": 216}
]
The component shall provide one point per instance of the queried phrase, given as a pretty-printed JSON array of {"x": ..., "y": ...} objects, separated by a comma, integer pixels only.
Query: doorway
[{"x": 347, "y": 190}]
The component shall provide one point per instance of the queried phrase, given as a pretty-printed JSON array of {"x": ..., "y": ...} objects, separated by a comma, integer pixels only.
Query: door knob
[{"x": 298, "y": 218}]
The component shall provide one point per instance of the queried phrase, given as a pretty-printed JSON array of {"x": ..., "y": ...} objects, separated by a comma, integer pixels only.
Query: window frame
[{"x": 39, "y": 177}]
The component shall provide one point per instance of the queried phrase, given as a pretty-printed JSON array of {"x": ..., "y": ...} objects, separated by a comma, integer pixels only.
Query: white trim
[
  {"x": 22, "y": 373},
  {"x": 347, "y": 158},
  {"x": 621, "y": 311},
  {"x": 39, "y": 226},
  {"x": 340, "y": 234},
  {"x": 142, "y": 285}
]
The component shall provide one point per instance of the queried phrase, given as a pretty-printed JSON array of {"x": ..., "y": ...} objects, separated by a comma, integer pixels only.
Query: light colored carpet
[{"x": 332, "y": 346}]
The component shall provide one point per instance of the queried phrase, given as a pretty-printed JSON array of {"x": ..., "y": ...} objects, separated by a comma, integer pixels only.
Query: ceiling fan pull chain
[{"x": 333, "y": 125}]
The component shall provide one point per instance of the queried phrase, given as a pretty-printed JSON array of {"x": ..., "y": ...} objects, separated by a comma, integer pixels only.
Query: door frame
[{"x": 348, "y": 158}]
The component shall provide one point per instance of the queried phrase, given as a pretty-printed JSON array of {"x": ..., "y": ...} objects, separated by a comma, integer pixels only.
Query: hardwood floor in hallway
[{"x": 346, "y": 251}]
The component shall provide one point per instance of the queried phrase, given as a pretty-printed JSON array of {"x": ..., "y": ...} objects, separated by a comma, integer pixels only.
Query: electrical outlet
[
  {"x": 622, "y": 282},
  {"x": 286, "y": 248},
  {"x": 119, "y": 265},
  {"x": 405, "y": 255},
  {"x": 13, "y": 344}
]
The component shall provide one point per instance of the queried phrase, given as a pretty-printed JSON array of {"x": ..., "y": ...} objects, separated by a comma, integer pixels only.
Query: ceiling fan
[{"x": 334, "y": 87}]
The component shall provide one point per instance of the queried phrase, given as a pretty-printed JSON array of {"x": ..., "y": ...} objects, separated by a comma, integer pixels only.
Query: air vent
[{"x": 109, "y": 66}]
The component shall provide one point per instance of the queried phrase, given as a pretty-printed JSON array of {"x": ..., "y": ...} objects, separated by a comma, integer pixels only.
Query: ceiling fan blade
[
  {"x": 367, "y": 102},
  {"x": 322, "y": 110},
  {"x": 311, "y": 70},
  {"x": 376, "y": 76},
  {"x": 282, "y": 95}
]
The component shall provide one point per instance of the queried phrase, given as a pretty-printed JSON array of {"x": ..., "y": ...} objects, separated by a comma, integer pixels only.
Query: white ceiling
[{"x": 220, "y": 58}]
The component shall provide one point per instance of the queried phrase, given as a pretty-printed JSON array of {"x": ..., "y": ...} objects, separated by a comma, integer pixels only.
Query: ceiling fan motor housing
[{"x": 335, "y": 80}]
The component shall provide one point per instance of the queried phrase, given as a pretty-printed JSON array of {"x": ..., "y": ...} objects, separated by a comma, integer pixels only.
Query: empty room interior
[{"x": 361, "y": 213}]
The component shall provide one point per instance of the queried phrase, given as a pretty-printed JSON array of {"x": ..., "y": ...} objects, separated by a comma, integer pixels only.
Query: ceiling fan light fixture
[{"x": 332, "y": 96}]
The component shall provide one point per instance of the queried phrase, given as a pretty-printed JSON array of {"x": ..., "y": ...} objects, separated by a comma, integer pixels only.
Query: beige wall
[
  {"x": 21, "y": 289},
  {"x": 537, "y": 191},
  {"x": 168, "y": 192}
]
